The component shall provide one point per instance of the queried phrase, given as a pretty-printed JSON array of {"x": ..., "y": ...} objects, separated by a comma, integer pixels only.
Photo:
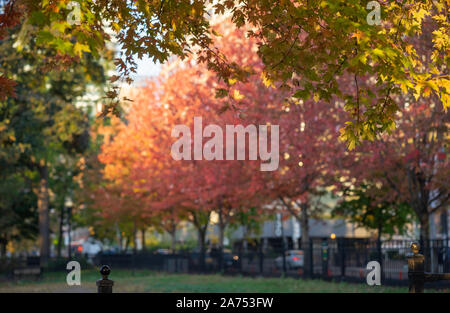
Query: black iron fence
[
  {"x": 338, "y": 259},
  {"x": 328, "y": 259},
  {"x": 417, "y": 277}
]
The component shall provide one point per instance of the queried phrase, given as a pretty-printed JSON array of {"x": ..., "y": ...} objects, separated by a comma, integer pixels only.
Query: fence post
[
  {"x": 105, "y": 285},
  {"x": 416, "y": 269}
]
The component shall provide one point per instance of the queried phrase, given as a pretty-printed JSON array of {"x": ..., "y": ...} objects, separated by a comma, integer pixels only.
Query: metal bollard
[
  {"x": 416, "y": 270},
  {"x": 105, "y": 285}
]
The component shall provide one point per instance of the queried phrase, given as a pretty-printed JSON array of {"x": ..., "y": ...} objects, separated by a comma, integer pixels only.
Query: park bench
[
  {"x": 416, "y": 271},
  {"x": 29, "y": 269}
]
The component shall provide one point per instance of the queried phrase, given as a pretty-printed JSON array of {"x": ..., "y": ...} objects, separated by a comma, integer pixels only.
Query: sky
[{"x": 147, "y": 68}]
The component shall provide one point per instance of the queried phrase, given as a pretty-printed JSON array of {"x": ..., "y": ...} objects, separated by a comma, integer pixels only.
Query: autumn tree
[
  {"x": 360, "y": 207},
  {"x": 305, "y": 45},
  {"x": 18, "y": 212},
  {"x": 309, "y": 149},
  {"x": 192, "y": 188},
  {"x": 43, "y": 123},
  {"x": 412, "y": 162}
]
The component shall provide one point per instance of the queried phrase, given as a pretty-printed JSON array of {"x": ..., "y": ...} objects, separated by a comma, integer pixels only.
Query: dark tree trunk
[
  {"x": 3, "y": 244},
  {"x": 304, "y": 224},
  {"x": 135, "y": 230},
  {"x": 127, "y": 242},
  {"x": 420, "y": 197},
  {"x": 425, "y": 238},
  {"x": 222, "y": 225},
  {"x": 201, "y": 222},
  {"x": 119, "y": 238},
  {"x": 143, "y": 239},
  {"x": 379, "y": 251},
  {"x": 44, "y": 221},
  {"x": 60, "y": 235},
  {"x": 173, "y": 237},
  {"x": 201, "y": 241}
]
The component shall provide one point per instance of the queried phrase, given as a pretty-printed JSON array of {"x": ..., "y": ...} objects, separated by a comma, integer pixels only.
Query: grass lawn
[{"x": 148, "y": 281}]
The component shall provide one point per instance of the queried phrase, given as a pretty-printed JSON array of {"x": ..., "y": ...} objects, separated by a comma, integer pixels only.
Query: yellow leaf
[
  {"x": 116, "y": 27},
  {"x": 266, "y": 80},
  {"x": 378, "y": 52},
  {"x": 237, "y": 95},
  {"x": 78, "y": 48},
  {"x": 351, "y": 145},
  {"x": 434, "y": 70},
  {"x": 419, "y": 15},
  {"x": 409, "y": 49},
  {"x": 358, "y": 35},
  {"x": 445, "y": 101},
  {"x": 404, "y": 87},
  {"x": 217, "y": 34},
  {"x": 316, "y": 97}
]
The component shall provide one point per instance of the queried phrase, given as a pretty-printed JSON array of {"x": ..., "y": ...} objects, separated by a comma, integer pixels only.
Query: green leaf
[
  {"x": 44, "y": 37},
  {"x": 37, "y": 18},
  {"x": 221, "y": 93}
]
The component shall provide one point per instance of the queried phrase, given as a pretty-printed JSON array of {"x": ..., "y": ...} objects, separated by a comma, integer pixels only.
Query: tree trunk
[
  {"x": 304, "y": 223},
  {"x": 173, "y": 237},
  {"x": 420, "y": 196},
  {"x": 44, "y": 221},
  {"x": 201, "y": 221},
  {"x": 119, "y": 238},
  {"x": 222, "y": 225},
  {"x": 201, "y": 241},
  {"x": 425, "y": 238},
  {"x": 3, "y": 244},
  {"x": 379, "y": 252},
  {"x": 135, "y": 237},
  {"x": 60, "y": 236},
  {"x": 143, "y": 239},
  {"x": 127, "y": 242}
]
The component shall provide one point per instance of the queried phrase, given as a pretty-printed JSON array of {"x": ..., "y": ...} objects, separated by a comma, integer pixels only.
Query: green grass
[{"x": 148, "y": 281}]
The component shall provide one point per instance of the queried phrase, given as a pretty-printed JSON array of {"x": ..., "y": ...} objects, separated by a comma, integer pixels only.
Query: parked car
[
  {"x": 163, "y": 251},
  {"x": 294, "y": 260},
  {"x": 88, "y": 248},
  {"x": 109, "y": 250}
]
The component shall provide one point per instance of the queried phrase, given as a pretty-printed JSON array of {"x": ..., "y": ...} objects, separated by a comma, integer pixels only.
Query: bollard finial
[
  {"x": 415, "y": 247},
  {"x": 105, "y": 285},
  {"x": 105, "y": 270}
]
